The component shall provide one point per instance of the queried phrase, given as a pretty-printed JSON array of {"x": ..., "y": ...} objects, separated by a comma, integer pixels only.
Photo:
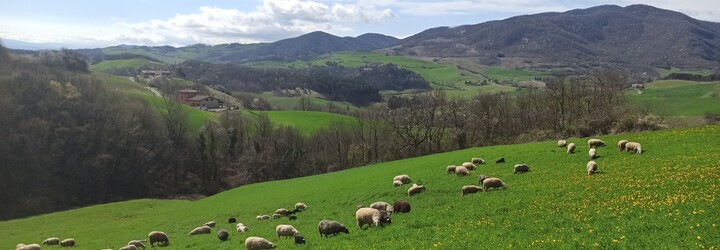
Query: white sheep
[
  {"x": 257, "y": 243},
  {"x": 593, "y": 153},
  {"x": 571, "y": 148},
  {"x": 200, "y": 230},
  {"x": 461, "y": 171},
  {"x": 67, "y": 242},
  {"x": 241, "y": 228},
  {"x": 477, "y": 161},
  {"x": 300, "y": 206},
  {"x": 621, "y": 144},
  {"x": 450, "y": 169},
  {"x": 281, "y": 211},
  {"x": 405, "y": 179},
  {"x": 493, "y": 183},
  {"x": 328, "y": 227},
  {"x": 51, "y": 241},
  {"x": 27, "y": 247},
  {"x": 469, "y": 165},
  {"x": 521, "y": 168},
  {"x": 633, "y": 146},
  {"x": 381, "y": 205},
  {"x": 595, "y": 143},
  {"x": 470, "y": 189},
  {"x": 372, "y": 217},
  {"x": 128, "y": 247},
  {"x": 562, "y": 143},
  {"x": 415, "y": 189},
  {"x": 263, "y": 217},
  {"x": 137, "y": 243},
  {"x": 277, "y": 216},
  {"x": 210, "y": 223},
  {"x": 286, "y": 230},
  {"x": 591, "y": 167},
  {"x": 158, "y": 237},
  {"x": 397, "y": 183}
]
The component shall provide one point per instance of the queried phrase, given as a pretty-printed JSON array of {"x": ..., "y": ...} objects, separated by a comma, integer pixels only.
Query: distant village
[{"x": 191, "y": 97}]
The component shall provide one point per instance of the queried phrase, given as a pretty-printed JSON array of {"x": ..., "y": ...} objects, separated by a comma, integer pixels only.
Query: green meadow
[
  {"x": 134, "y": 63},
  {"x": 679, "y": 97},
  {"x": 665, "y": 198},
  {"x": 306, "y": 121}
]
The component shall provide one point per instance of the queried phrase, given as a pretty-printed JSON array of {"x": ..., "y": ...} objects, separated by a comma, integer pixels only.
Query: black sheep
[
  {"x": 299, "y": 239},
  {"x": 223, "y": 235},
  {"x": 232, "y": 220},
  {"x": 401, "y": 206},
  {"x": 501, "y": 160},
  {"x": 292, "y": 217}
]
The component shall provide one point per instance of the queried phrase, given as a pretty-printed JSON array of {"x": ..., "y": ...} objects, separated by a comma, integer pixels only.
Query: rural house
[
  {"x": 155, "y": 73},
  {"x": 185, "y": 94}
]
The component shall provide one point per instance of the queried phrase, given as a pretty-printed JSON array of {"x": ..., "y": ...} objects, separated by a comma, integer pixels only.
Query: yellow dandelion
[
  {"x": 699, "y": 238},
  {"x": 616, "y": 241}
]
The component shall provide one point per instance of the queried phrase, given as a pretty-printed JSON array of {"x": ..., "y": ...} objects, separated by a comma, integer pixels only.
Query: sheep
[
  {"x": 371, "y": 217},
  {"x": 67, "y": 243},
  {"x": 450, "y": 169},
  {"x": 593, "y": 153},
  {"x": 595, "y": 143},
  {"x": 469, "y": 165},
  {"x": 294, "y": 211},
  {"x": 521, "y": 168},
  {"x": 415, "y": 189},
  {"x": 158, "y": 237},
  {"x": 621, "y": 145},
  {"x": 461, "y": 171},
  {"x": 381, "y": 205},
  {"x": 200, "y": 230},
  {"x": 223, "y": 235},
  {"x": 401, "y": 206},
  {"x": 286, "y": 230},
  {"x": 232, "y": 220},
  {"x": 128, "y": 247},
  {"x": 299, "y": 239},
  {"x": 501, "y": 160},
  {"x": 328, "y": 227},
  {"x": 300, "y": 206},
  {"x": 263, "y": 217},
  {"x": 562, "y": 143},
  {"x": 405, "y": 179},
  {"x": 477, "y": 161},
  {"x": 292, "y": 217},
  {"x": 281, "y": 211},
  {"x": 257, "y": 243},
  {"x": 397, "y": 183},
  {"x": 470, "y": 189},
  {"x": 571, "y": 148},
  {"x": 493, "y": 183},
  {"x": 481, "y": 178},
  {"x": 277, "y": 216},
  {"x": 51, "y": 241},
  {"x": 633, "y": 146},
  {"x": 241, "y": 228},
  {"x": 27, "y": 247},
  {"x": 137, "y": 243},
  {"x": 591, "y": 167},
  {"x": 210, "y": 223}
]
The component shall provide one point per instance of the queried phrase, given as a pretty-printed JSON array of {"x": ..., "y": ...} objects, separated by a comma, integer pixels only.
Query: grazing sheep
[
  {"x": 223, "y": 235},
  {"x": 371, "y": 217},
  {"x": 571, "y": 148},
  {"x": 300, "y": 206},
  {"x": 401, "y": 206},
  {"x": 450, "y": 169},
  {"x": 232, "y": 220},
  {"x": 294, "y": 211},
  {"x": 328, "y": 227},
  {"x": 128, "y": 247},
  {"x": 27, "y": 247},
  {"x": 158, "y": 237},
  {"x": 257, "y": 243},
  {"x": 501, "y": 160},
  {"x": 591, "y": 167},
  {"x": 593, "y": 153},
  {"x": 595, "y": 143},
  {"x": 397, "y": 183},
  {"x": 481, "y": 178},
  {"x": 469, "y": 165},
  {"x": 286, "y": 230},
  {"x": 241, "y": 228},
  {"x": 621, "y": 145},
  {"x": 277, "y": 216},
  {"x": 415, "y": 189},
  {"x": 562, "y": 143},
  {"x": 493, "y": 183},
  {"x": 477, "y": 161},
  {"x": 299, "y": 239},
  {"x": 281, "y": 211},
  {"x": 292, "y": 217},
  {"x": 263, "y": 217},
  {"x": 470, "y": 189},
  {"x": 461, "y": 171},
  {"x": 381, "y": 205},
  {"x": 137, "y": 243},
  {"x": 51, "y": 241},
  {"x": 200, "y": 230},
  {"x": 521, "y": 168},
  {"x": 633, "y": 146},
  {"x": 405, "y": 179},
  {"x": 210, "y": 224},
  {"x": 67, "y": 243}
]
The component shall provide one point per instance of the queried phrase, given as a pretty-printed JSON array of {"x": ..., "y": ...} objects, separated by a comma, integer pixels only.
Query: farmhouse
[
  {"x": 185, "y": 94},
  {"x": 203, "y": 101},
  {"x": 155, "y": 73}
]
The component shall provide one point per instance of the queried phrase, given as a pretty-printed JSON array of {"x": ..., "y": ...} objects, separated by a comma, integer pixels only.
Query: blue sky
[{"x": 84, "y": 23}]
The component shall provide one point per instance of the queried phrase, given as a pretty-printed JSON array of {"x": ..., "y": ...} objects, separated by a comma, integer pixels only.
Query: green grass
[
  {"x": 666, "y": 72},
  {"x": 307, "y": 121},
  {"x": 124, "y": 63},
  {"x": 505, "y": 74},
  {"x": 666, "y": 197},
  {"x": 281, "y": 103},
  {"x": 678, "y": 97}
]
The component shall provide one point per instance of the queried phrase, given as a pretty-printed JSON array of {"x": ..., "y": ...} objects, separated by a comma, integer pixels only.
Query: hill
[
  {"x": 307, "y": 121},
  {"x": 637, "y": 35},
  {"x": 666, "y": 196},
  {"x": 114, "y": 65},
  {"x": 678, "y": 97}
]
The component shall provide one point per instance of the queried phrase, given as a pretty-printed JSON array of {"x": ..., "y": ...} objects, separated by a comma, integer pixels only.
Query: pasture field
[
  {"x": 678, "y": 97},
  {"x": 288, "y": 103},
  {"x": 306, "y": 121},
  {"x": 124, "y": 63},
  {"x": 665, "y": 198}
]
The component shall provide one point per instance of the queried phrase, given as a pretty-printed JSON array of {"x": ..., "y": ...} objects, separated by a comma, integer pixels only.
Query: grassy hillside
[
  {"x": 665, "y": 197},
  {"x": 119, "y": 64},
  {"x": 678, "y": 97},
  {"x": 307, "y": 121},
  {"x": 289, "y": 103}
]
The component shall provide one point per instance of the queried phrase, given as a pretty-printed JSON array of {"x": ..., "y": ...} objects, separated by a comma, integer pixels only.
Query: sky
[{"x": 90, "y": 23}]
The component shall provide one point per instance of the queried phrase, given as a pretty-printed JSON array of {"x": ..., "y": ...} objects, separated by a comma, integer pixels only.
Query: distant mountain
[
  {"x": 22, "y": 45},
  {"x": 633, "y": 35}
]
